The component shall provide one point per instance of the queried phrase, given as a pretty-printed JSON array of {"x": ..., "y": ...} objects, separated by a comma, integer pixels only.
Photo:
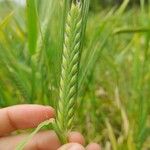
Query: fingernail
[
  {"x": 76, "y": 147},
  {"x": 93, "y": 146}
]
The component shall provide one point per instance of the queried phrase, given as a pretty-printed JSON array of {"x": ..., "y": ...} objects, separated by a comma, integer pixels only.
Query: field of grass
[{"x": 113, "y": 104}]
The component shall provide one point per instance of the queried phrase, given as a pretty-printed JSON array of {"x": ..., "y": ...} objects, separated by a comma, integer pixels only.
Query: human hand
[
  {"x": 75, "y": 146},
  {"x": 29, "y": 116}
]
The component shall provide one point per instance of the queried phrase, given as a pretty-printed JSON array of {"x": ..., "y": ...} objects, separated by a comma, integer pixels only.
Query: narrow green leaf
[
  {"x": 123, "y": 7},
  {"x": 6, "y": 20},
  {"x": 130, "y": 30},
  {"x": 32, "y": 25}
]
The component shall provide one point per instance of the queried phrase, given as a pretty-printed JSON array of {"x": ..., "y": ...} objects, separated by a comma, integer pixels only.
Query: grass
[{"x": 113, "y": 104}]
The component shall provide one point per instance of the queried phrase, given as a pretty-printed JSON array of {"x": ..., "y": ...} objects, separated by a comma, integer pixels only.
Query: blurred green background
[{"x": 114, "y": 80}]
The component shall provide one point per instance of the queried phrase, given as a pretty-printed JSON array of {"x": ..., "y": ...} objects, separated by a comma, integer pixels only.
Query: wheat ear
[{"x": 69, "y": 72}]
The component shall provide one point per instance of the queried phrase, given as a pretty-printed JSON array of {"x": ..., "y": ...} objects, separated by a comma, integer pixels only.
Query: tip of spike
[{"x": 77, "y": 2}]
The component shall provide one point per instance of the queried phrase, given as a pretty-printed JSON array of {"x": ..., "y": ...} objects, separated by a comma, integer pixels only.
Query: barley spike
[{"x": 69, "y": 72}]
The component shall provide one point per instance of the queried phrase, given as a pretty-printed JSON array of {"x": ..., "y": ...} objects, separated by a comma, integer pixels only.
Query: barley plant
[
  {"x": 69, "y": 72},
  {"x": 88, "y": 60}
]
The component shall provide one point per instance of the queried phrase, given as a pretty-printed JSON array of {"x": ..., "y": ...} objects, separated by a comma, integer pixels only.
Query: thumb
[{"x": 72, "y": 146}]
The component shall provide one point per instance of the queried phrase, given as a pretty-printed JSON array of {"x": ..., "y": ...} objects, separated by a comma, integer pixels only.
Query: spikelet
[
  {"x": 20, "y": 85},
  {"x": 69, "y": 72}
]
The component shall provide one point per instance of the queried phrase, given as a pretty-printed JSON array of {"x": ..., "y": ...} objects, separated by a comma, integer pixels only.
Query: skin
[{"x": 29, "y": 116}]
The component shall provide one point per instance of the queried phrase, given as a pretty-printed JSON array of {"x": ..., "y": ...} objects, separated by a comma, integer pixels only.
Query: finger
[
  {"x": 43, "y": 140},
  {"x": 23, "y": 116},
  {"x": 72, "y": 146},
  {"x": 47, "y": 140},
  {"x": 76, "y": 137},
  {"x": 93, "y": 146}
]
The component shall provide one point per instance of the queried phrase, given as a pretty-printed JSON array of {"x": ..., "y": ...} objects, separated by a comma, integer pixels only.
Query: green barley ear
[{"x": 69, "y": 72}]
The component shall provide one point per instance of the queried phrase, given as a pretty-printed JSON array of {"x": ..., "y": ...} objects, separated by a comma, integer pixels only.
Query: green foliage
[{"x": 113, "y": 106}]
